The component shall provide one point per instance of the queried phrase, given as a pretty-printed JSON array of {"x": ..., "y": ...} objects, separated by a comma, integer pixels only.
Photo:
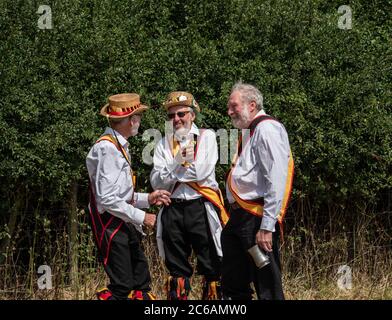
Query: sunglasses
[{"x": 180, "y": 114}]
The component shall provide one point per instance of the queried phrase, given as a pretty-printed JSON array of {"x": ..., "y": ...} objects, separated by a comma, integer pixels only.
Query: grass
[
  {"x": 309, "y": 282},
  {"x": 310, "y": 260}
]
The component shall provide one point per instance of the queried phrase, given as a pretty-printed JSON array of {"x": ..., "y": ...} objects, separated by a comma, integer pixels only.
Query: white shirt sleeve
[
  {"x": 272, "y": 154},
  {"x": 141, "y": 200},
  {"x": 206, "y": 159},
  {"x": 110, "y": 167},
  {"x": 162, "y": 174}
]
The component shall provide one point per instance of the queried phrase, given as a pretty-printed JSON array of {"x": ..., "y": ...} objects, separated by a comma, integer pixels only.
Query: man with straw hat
[
  {"x": 184, "y": 164},
  {"x": 116, "y": 218}
]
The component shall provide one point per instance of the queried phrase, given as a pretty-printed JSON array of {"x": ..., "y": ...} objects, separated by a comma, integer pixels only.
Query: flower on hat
[
  {"x": 195, "y": 105},
  {"x": 177, "y": 98}
]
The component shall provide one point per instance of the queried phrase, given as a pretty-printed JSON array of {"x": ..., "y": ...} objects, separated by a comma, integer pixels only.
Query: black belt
[
  {"x": 234, "y": 206},
  {"x": 184, "y": 201}
]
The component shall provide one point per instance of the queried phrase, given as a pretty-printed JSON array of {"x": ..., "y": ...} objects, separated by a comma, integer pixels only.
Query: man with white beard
[
  {"x": 184, "y": 164},
  {"x": 258, "y": 188}
]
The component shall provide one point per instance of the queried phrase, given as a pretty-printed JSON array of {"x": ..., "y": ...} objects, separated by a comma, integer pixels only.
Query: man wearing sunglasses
[{"x": 184, "y": 164}]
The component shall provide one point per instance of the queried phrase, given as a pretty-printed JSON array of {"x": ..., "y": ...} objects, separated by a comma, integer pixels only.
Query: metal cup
[{"x": 259, "y": 257}]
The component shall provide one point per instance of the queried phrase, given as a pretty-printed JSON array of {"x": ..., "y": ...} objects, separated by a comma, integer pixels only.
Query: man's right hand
[
  {"x": 188, "y": 153},
  {"x": 159, "y": 197},
  {"x": 149, "y": 220}
]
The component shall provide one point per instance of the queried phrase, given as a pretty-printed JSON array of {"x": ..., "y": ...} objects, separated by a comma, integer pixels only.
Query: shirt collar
[
  {"x": 121, "y": 139},
  {"x": 194, "y": 130},
  {"x": 260, "y": 113}
]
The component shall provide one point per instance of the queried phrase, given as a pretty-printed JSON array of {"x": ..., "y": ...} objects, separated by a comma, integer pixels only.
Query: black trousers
[
  {"x": 238, "y": 268},
  {"x": 122, "y": 256},
  {"x": 185, "y": 227}
]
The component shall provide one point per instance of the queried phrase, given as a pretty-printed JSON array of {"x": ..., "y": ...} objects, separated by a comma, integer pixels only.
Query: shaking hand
[{"x": 159, "y": 197}]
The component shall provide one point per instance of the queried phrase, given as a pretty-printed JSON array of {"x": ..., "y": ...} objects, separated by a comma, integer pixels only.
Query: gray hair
[
  {"x": 114, "y": 121},
  {"x": 121, "y": 120},
  {"x": 249, "y": 93}
]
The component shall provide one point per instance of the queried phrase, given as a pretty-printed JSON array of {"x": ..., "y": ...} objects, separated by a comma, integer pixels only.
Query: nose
[
  {"x": 176, "y": 118},
  {"x": 230, "y": 112}
]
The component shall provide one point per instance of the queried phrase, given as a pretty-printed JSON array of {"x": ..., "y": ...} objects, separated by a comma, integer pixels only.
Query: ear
[
  {"x": 193, "y": 116},
  {"x": 252, "y": 106},
  {"x": 130, "y": 122}
]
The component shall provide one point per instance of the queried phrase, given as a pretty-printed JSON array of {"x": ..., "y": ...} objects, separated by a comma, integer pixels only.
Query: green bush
[{"x": 330, "y": 87}]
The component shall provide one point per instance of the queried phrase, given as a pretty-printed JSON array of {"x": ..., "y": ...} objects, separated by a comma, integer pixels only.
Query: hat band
[
  {"x": 129, "y": 110},
  {"x": 114, "y": 113}
]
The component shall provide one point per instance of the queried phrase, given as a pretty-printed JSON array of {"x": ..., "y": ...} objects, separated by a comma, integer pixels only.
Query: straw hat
[
  {"x": 181, "y": 98},
  {"x": 123, "y": 105}
]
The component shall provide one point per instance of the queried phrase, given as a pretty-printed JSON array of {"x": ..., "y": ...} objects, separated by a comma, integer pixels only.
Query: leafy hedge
[{"x": 330, "y": 87}]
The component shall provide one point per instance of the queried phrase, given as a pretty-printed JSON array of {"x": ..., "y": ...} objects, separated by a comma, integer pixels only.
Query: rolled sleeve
[
  {"x": 163, "y": 174},
  {"x": 141, "y": 200},
  {"x": 268, "y": 223}
]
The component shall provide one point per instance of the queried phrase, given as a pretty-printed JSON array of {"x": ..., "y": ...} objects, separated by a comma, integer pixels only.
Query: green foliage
[{"x": 330, "y": 87}]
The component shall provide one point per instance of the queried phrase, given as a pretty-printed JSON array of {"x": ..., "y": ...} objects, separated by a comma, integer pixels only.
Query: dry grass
[
  {"x": 310, "y": 265},
  {"x": 307, "y": 283},
  {"x": 363, "y": 288}
]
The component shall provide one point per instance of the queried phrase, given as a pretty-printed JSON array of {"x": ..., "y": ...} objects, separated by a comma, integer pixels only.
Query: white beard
[
  {"x": 181, "y": 134},
  {"x": 241, "y": 122}
]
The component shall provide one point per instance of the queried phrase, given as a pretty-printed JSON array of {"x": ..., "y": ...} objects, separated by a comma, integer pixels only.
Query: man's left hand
[
  {"x": 264, "y": 240},
  {"x": 159, "y": 197}
]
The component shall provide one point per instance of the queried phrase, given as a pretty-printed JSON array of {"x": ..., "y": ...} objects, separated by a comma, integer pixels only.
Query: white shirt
[
  {"x": 111, "y": 181},
  {"x": 262, "y": 169},
  {"x": 167, "y": 171}
]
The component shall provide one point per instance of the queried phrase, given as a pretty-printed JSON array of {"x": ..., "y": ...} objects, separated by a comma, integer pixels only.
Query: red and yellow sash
[
  {"x": 256, "y": 208},
  {"x": 213, "y": 196},
  {"x": 251, "y": 206}
]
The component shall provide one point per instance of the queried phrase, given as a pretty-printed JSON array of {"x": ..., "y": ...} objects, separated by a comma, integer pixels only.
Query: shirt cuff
[
  {"x": 141, "y": 200},
  {"x": 268, "y": 223},
  {"x": 138, "y": 216}
]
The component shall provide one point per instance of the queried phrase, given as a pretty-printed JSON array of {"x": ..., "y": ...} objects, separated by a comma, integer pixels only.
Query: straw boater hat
[
  {"x": 181, "y": 98},
  {"x": 123, "y": 105}
]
